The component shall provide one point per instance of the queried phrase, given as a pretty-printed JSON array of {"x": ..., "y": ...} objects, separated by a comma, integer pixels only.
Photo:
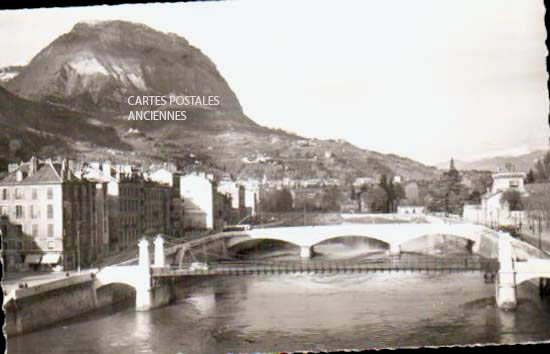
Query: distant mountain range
[
  {"x": 522, "y": 162},
  {"x": 72, "y": 99}
]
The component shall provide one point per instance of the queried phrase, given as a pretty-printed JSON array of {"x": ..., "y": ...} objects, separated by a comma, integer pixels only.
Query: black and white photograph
[{"x": 261, "y": 176}]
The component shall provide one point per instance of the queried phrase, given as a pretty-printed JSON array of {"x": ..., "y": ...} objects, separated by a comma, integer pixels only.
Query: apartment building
[{"x": 47, "y": 217}]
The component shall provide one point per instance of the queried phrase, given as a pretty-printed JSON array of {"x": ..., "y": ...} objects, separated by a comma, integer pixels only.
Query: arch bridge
[
  {"x": 517, "y": 261},
  {"x": 306, "y": 237}
]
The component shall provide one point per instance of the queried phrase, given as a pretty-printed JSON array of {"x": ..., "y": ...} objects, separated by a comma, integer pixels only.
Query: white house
[
  {"x": 492, "y": 210},
  {"x": 198, "y": 194}
]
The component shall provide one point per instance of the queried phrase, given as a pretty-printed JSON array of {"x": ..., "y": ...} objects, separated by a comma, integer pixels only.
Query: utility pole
[{"x": 78, "y": 246}]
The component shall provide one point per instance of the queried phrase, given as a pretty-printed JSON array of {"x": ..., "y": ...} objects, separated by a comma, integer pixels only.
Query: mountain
[
  {"x": 87, "y": 75},
  {"x": 100, "y": 65},
  {"x": 28, "y": 127},
  {"x": 522, "y": 162}
]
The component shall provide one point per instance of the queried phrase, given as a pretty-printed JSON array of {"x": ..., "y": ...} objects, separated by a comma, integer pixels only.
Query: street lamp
[{"x": 540, "y": 230}]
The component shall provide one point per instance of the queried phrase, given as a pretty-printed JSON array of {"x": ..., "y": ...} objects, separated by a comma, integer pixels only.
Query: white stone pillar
[
  {"x": 506, "y": 285},
  {"x": 144, "y": 259},
  {"x": 159, "y": 260},
  {"x": 394, "y": 249},
  {"x": 143, "y": 283},
  {"x": 476, "y": 246},
  {"x": 305, "y": 251}
]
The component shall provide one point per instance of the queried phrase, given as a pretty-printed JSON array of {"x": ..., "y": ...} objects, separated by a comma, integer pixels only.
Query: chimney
[
  {"x": 33, "y": 166},
  {"x": 64, "y": 169}
]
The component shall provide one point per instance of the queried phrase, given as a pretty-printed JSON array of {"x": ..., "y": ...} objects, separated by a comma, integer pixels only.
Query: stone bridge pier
[
  {"x": 306, "y": 252},
  {"x": 394, "y": 250},
  {"x": 150, "y": 292},
  {"x": 512, "y": 272},
  {"x": 506, "y": 292}
]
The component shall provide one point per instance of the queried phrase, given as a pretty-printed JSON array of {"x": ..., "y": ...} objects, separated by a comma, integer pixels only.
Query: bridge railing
[{"x": 386, "y": 264}]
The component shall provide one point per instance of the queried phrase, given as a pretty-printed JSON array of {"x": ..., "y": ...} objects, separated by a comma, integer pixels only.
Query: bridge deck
[{"x": 239, "y": 268}]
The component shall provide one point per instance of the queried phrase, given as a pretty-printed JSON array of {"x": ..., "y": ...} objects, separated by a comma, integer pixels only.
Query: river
[{"x": 298, "y": 312}]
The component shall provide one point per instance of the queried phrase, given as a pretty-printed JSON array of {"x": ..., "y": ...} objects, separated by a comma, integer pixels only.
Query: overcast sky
[{"x": 428, "y": 79}]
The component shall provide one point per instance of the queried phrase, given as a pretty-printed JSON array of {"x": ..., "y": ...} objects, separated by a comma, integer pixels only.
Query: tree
[
  {"x": 448, "y": 194},
  {"x": 530, "y": 177},
  {"x": 537, "y": 205},
  {"x": 394, "y": 193},
  {"x": 475, "y": 197},
  {"x": 278, "y": 201},
  {"x": 514, "y": 199},
  {"x": 542, "y": 168},
  {"x": 378, "y": 199},
  {"x": 14, "y": 146},
  {"x": 331, "y": 199}
]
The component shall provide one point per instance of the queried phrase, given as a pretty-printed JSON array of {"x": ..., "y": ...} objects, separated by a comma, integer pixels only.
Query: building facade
[
  {"x": 47, "y": 218},
  {"x": 493, "y": 210}
]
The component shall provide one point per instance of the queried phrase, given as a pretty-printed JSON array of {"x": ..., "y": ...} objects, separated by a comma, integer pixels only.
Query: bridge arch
[
  {"x": 386, "y": 244},
  {"x": 364, "y": 236},
  {"x": 126, "y": 275},
  {"x": 522, "y": 278},
  {"x": 432, "y": 238},
  {"x": 531, "y": 269},
  {"x": 231, "y": 243}
]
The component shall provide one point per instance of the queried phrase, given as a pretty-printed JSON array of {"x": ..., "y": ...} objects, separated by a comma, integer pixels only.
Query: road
[{"x": 12, "y": 280}]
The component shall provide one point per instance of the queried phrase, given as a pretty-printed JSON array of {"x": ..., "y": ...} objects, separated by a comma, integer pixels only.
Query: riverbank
[{"x": 42, "y": 305}]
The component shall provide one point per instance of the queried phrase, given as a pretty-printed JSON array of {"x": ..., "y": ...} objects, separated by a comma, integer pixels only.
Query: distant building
[
  {"x": 363, "y": 201},
  {"x": 237, "y": 194},
  {"x": 251, "y": 195},
  {"x": 492, "y": 209},
  {"x": 358, "y": 182},
  {"x": 169, "y": 177},
  {"x": 198, "y": 194},
  {"x": 410, "y": 210},
  {"x": 397, "y": 179},
  {"x": 137, "y": 207}
]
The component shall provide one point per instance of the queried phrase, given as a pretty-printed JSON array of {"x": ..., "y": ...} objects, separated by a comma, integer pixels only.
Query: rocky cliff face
[{"x": 97, "y": 66}]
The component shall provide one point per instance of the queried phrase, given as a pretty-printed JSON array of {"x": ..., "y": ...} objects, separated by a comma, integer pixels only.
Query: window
[
  {"x": 514, "y": 184},
  {"x": 34, "y": 211},
  {"x": 51, "y": 245},
  {"x": 50, "y": 193},
  {"x": 50, "y": 230},
  {"x": 5, "y": 194},
  {"x": 19, "y": 212},
  {"x": 3, "y": 211},
  {"x": 4, "y": 231},
  {"x": 34, "y": 230},
  {"x": 50, "y": 211},
  {"x": 18, "y": 193},
  {"x": 34, "y": 194}
]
